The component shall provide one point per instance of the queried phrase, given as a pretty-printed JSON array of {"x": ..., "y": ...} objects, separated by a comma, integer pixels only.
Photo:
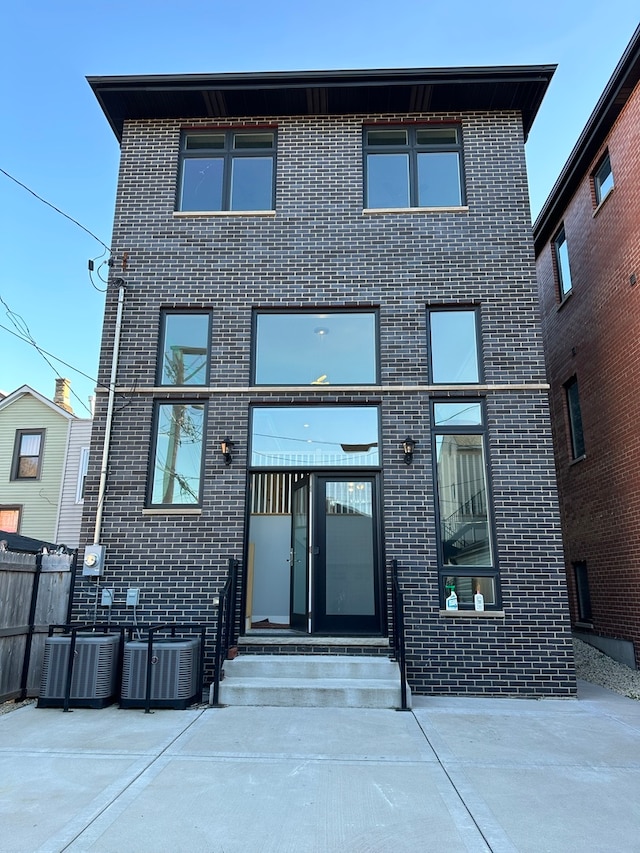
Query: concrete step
[{"x": 311, "y": 681}]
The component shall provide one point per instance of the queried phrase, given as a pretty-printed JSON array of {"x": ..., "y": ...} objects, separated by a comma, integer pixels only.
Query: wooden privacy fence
[{"x": 35, "y": 592}]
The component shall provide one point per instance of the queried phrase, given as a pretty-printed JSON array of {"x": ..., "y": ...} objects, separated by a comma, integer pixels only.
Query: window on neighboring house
[
  {"x": 453, "y": 346},
  {"x": 82, "y": 474},
  {"x": 575, "y": 418},
  {"x": 227, "y": 170},
  {"x": 184, "y": 348},
  {"x": 176, "y": 468},
  {"x": 465, "y": 547},
  {"x": 10, "y": 518},
  {"x": 603, "y": 179},
  {"x": 561, "y": 252},
  {"x": 27, "y": 454},
  {"x": 315, "y": 348},
  {"x": 583, "y": 593},
  {"x": 413, "y": 167}
]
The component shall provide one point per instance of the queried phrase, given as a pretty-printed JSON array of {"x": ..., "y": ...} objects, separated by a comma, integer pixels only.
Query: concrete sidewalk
[{"x": 456, "y": 774}]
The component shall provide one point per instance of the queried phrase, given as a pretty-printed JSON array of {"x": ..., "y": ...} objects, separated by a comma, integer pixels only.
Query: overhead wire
[{"x": 57, "y": 209}]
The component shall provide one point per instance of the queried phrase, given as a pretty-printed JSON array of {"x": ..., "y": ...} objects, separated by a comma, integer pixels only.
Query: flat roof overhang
[{"x": 301, "y": 93}]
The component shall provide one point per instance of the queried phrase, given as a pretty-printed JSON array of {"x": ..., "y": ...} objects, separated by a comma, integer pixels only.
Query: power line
[{"x": 53, "y": 207}]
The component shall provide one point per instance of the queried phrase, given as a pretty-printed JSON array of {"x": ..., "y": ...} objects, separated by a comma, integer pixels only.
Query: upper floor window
[
  {"x": 315, "y": 348},
  {"x": 453, "y": 346},
  {"x": 413, "y": 167},
  {"x": 561, "y": 252},
  {"x": 10, "y": 519},
  {"x": 603, "y": 179},
  {"x": 184, "y": 348},
  {"x": 227, "y": 170},
  {"x": 176, "y": 469},
  {"x": 575, "y": 418},
  {"x": 27, "y": 454}
]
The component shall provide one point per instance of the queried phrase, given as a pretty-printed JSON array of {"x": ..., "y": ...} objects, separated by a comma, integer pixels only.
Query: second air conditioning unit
[{"x": 175, "y": 674}]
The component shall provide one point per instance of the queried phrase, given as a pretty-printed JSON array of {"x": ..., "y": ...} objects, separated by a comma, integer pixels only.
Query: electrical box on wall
[{"x": 93, "y": 563}]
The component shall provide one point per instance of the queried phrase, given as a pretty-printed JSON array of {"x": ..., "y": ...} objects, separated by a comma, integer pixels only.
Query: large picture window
[
  {"x": 176, "y": 469},
  {"x": 315, "y": 437},
  {"x": 27, "y": 454},
  {"x": 465, "y": 537},
  {"x": 227, "y": 170},
  {"x": 453, "y": 346},
  {"x": 315, "y": 348},
  {"x": 413, "y": 167},
  {"x": 184, "y": 348}
]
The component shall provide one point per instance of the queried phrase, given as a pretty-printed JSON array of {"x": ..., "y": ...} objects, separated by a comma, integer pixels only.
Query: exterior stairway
[{"x": 312, "y": 681}]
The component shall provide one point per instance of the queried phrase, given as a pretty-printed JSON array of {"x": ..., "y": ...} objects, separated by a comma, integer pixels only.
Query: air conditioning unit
[
  {"x": 94, "y": 682},
  {"x": 175, "y": 666}
]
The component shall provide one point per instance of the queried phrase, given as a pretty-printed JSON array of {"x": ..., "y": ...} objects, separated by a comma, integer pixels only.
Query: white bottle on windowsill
[
  {"x": 452, "y": 601},
  {"x": 478, "y": 601}
]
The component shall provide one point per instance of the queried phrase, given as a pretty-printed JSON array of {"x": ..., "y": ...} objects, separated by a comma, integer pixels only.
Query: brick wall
[
  {"x": 320, "y": 250},
  {"x": 595, "y": 335}
]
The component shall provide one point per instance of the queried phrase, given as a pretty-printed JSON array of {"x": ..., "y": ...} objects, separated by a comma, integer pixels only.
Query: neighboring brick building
[
  {"x": 319, "y": 266},
  {"x": 587, "y": 240}
]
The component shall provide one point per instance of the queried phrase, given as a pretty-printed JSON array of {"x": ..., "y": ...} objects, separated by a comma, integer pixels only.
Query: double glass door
[{"x": 334, "y": 560}]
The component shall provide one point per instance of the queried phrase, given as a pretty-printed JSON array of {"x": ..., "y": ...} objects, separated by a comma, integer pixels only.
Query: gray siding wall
[
  {"x": 320, "y": 250},
  {"x": 70, "y": 516}
]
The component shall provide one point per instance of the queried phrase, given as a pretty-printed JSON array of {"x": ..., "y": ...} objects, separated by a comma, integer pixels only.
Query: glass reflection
[
  {"x": 202, "y": 183},
  {"x": 316, "y": 349},
  {"x": 315, "y": 436},
  {"x": 439, "y": 179},
  {"x": 185, "y": 349},
  {"x": 454, "y": 349},
  {"x": 462, "y": 500},
  {"x": 178, "y": 454},
  {"x": 388, "y": 180}
]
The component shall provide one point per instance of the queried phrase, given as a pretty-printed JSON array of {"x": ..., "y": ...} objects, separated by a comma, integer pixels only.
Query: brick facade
[
  {"x": 320, "y": 250},
  {"x": 593, "y": 335}
]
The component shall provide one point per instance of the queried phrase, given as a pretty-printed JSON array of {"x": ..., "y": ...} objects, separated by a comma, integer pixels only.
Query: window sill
[
  {"x": 564, "y": 299},
  {"x": 603, "y": 202},
  {"x": 189, "y": 214},
  {"x": 472, "y": 614},
  {"x": 374, "y": 210},
  {"x": 584, "y": 625},
  {"x": 578, "y": 459},
  {"x": 172, "y": 511}
]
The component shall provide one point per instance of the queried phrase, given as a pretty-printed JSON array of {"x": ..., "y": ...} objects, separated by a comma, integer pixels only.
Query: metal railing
[
  {"x": 399, "y": 650},
  {"x": 226, "y": 627}
]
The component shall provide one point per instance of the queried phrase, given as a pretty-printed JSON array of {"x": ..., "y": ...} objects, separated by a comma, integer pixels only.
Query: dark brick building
[
  {"x": 587, "y": 240},
  {"x": 319, "y": 266}
]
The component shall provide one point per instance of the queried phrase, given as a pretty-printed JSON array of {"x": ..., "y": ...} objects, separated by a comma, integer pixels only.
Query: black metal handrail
[
  {"x": 226, "y": 627},
  {"x": 399, "y": 650}
]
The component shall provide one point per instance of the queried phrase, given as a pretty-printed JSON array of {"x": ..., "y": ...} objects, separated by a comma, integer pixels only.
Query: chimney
[{"x": 61, "y": 397}]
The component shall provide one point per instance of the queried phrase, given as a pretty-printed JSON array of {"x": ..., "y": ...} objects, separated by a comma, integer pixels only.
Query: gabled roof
[
  {"x": 612, "y": 101},
  {"x": 27, "y": 389},
  {"x": 289, "y": 93}
]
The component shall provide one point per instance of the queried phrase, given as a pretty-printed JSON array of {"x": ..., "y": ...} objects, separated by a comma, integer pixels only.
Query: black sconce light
[
  {"x": 225, "y": 446},
  {"x": 408, "y": 446}
]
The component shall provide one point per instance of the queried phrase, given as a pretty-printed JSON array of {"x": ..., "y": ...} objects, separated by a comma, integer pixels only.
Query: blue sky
[{"x": 56, "y": 140}]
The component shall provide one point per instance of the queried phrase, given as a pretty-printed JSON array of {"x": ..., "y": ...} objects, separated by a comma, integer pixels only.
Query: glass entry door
[
  {"x": 299, "y": 555},
  {"x": 335, "y": 577}
]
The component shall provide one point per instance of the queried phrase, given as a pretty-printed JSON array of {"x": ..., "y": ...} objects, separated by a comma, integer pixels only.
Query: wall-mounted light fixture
[
  {"x": 408, "y": 446},
  {"x": 226, "y": 446}
]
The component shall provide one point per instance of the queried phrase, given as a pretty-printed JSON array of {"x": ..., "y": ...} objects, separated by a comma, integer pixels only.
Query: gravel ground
[
  {"x": 594, "y": 666},
  {"x": 591, "y": 665}
]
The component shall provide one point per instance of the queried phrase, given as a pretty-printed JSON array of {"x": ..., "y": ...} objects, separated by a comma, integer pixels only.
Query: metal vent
[
  {"x": 94, "y": 679},
  {"x": 174, "y": 673}
]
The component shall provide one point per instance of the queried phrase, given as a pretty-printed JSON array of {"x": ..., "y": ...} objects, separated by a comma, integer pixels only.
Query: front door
[
  {"x": 335, "y": 578},
  {"x": 299, "y": 555}
]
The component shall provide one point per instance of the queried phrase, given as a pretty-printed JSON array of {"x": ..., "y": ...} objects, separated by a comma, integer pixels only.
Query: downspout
[{"x": 109, "y": 421}]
